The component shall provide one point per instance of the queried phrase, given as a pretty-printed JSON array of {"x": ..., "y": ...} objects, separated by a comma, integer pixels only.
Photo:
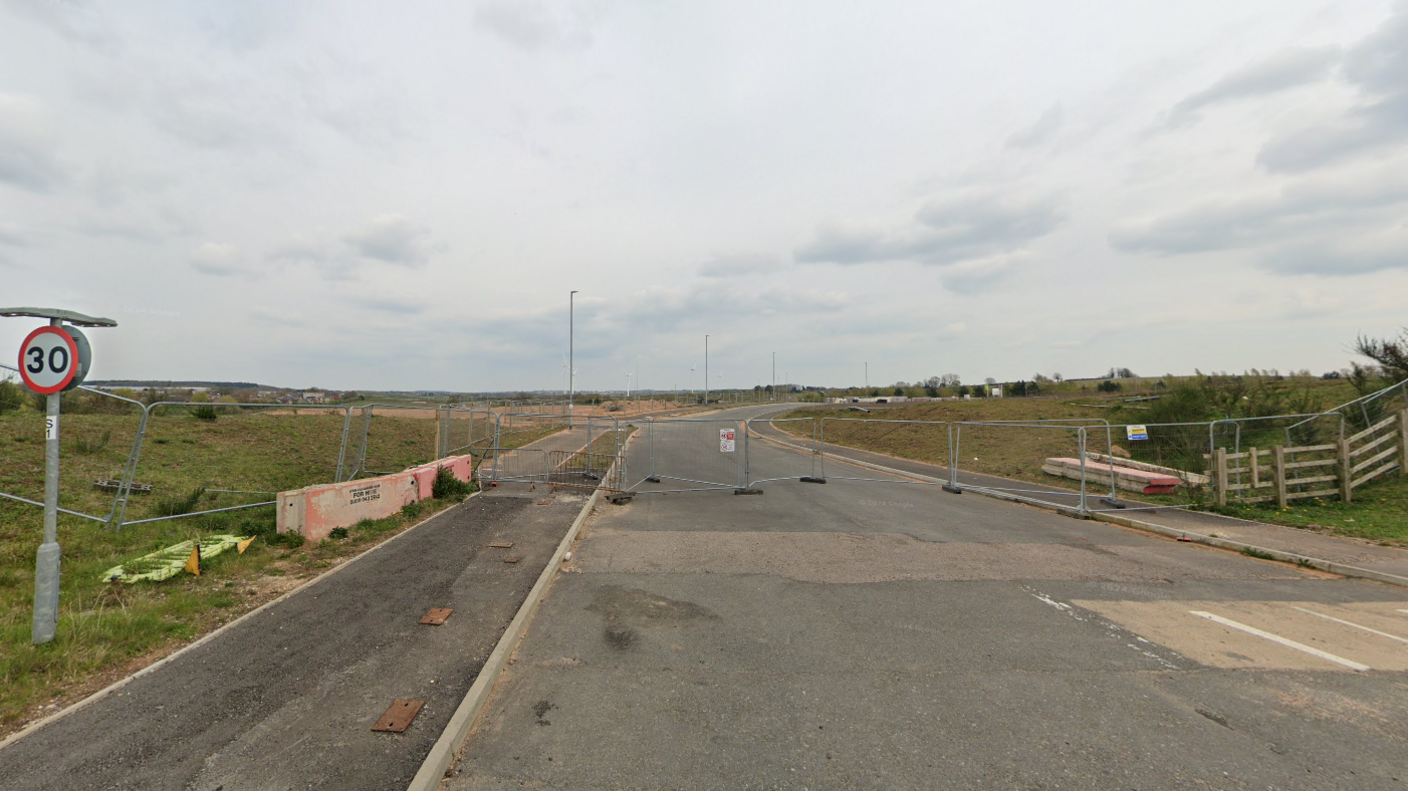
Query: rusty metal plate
[
  {"x": 436, "y": 616},
  {"x": 510, "y": 560},
  {"x": 502, "y": 545},
  {"x": 399, "y": 717}
]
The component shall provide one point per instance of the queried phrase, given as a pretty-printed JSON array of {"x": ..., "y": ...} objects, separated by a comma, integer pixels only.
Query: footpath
[
  {"x": 287, "y": 697},
  {"x": 1336, "y": 554}
]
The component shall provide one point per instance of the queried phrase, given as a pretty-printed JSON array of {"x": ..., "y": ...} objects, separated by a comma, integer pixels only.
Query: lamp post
[
  {"x": 706, "y": 370},
  {"x": 774, "y": 377},
  {"x": 571, "y": 355},
  {"x": 50, "y": 365}
]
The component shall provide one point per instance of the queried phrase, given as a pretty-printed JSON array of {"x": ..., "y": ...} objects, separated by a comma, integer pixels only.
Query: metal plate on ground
[
  {"x": 436, "y": 616},
  {"x": 399, "y": 716},
  {"x": 502, "y": 545}
]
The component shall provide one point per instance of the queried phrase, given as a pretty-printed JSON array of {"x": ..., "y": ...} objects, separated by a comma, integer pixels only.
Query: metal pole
[
  {"x": 774, "y": 376},
  {"x": 46, "y": 562},
  {"x": 571, "y": 359},
  {"x": 342, "y": 451}
]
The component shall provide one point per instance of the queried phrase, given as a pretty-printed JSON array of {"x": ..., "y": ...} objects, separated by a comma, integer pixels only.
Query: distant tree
[
  {"x": 1390, "y": 353},
  {"x": 949, "y": 380},
  {"x": 899, "y": 391},
  {"x": 962, "y": 390},
  {"x": 932, "y": 392},
  {"x": 1109, "y": 386},
  {"x": 1058, "y": 378}
]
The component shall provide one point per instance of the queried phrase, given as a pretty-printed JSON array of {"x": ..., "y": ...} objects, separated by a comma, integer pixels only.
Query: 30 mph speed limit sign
[{"x": 48, "y": 360}]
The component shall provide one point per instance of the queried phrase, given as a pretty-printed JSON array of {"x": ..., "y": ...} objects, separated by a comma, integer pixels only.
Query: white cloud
[
  {"x": 393, "y": 239},
  {"x": 1041, "y": 131},
  {"x": 223, "y": 260},
  {"x": 1287, "y": 69},
  {"x": 943, "y": 231},
  {"x": 27, "y": 156},
  {"x": 534, "y": 25}
]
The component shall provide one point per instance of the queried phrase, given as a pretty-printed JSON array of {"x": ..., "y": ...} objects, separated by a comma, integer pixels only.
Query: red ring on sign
[{"x": 72, "y": 365}]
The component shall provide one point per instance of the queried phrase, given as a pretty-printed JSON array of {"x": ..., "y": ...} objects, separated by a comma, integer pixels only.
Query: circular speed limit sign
[{"x": 48, "y": 360}]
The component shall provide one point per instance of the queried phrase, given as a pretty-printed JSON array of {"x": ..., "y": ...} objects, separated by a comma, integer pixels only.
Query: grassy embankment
[
  {"x": 108, "y": 630},
  {"x": 1379, "y": 512}
]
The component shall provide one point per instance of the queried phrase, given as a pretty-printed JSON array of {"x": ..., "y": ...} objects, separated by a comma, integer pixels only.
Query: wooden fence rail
[{"x": 1282, "y": 474}]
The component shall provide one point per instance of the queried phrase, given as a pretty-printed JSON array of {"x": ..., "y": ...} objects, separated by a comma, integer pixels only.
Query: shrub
[
  {"x": 338, "y": 532},
  {"x": 205, "y": 412},
  {"x": 11, "y": 397},
  {"x": 447, "y": 486}
]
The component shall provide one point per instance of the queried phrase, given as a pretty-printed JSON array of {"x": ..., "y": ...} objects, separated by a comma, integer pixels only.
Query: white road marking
[
  {"x": 1351, "y": 623},
  {"x": 1058, "y": 605},
  {"x": 1276, "y": 638}
]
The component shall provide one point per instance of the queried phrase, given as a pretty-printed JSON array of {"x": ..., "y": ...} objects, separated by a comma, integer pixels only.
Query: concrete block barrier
[{"x": 315, "y": 511}]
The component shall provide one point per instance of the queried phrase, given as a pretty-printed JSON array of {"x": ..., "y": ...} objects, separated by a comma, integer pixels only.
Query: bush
[
  {"x": 206, "y": 412},
  {"x": 338, "y": 532},
  {"x": 11, "y": 397},
  {"x": 412, "y": 510},
  {"x": 447, "y": 486}
]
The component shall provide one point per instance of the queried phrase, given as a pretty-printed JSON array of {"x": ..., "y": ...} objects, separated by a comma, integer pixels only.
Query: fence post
[
  {"x": 1403, "y": 442},
  {"x": 1278, "y": 468},
  {"x": 1254, "y": 466},
  {"x": 1346, "y": 474},
  {"x": 1220, "y": 475}
]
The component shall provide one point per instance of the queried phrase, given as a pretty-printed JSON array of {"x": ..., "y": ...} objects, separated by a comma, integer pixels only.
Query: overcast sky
[{"x": 401, "y": 195}]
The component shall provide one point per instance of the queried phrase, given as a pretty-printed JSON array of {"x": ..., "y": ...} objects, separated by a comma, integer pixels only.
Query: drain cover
[
  {"x": 399, "y": 717},
  {"x": 502, "y": 545}
]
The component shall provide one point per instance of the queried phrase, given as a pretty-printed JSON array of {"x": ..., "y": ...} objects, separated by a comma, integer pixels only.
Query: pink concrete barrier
[
  {"x": 314, "y": 511},
  {"x": 1142, "y": 481}
]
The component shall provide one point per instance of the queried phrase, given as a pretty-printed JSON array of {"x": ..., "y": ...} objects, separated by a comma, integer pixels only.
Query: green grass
[
  {"x": 106, "y": 630},
  {"x": 1379, "y": 513}
]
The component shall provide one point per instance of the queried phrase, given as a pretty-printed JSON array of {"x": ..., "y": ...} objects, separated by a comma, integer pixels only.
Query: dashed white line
[
  {"x": 1351, "y": 623},
  {"x": 1276, "y": 638}
]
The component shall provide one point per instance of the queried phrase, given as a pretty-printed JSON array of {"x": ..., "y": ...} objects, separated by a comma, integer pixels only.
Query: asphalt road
[
  {"x": 287, "y": 699},
  {"x": 889, "y": 635}
]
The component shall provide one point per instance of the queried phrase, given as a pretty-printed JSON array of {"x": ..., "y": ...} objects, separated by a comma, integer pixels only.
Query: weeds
[
  {"x": 205, "y": 412},
  {"x": 1252, "y": 552},
  {"x": 88, "y": 448},
  {"x": 177, "y": 506}
]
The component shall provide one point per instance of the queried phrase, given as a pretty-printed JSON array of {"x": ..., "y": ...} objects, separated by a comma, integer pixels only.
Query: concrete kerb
[
  {"x": 442, "y": 755},
  {"x": 1341, "y": 569},
  {"x": 153, "y": 667}
]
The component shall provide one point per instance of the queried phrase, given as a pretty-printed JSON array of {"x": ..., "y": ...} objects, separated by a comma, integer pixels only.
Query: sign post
[{"x": 53, "y": 359}]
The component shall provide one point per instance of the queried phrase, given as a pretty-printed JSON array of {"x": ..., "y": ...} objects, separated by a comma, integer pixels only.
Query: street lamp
[
  {"x": 571, "y": 355},
  {"x": 706, "y": 370}
]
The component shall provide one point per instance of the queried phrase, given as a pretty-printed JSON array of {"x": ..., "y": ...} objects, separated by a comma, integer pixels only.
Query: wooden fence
[{"x": 1281, "y": 474}]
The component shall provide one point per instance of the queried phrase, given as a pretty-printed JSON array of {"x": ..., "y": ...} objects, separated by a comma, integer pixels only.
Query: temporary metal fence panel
[
  {"x": 794, "y": 457},
  {"x": 575, "y": 452},
  {"x": 690, "y": 454},
  {"x": 995, "y": 456},
  {"x": 924, "y": 440},
  {"x": 392, "y": 437}
]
